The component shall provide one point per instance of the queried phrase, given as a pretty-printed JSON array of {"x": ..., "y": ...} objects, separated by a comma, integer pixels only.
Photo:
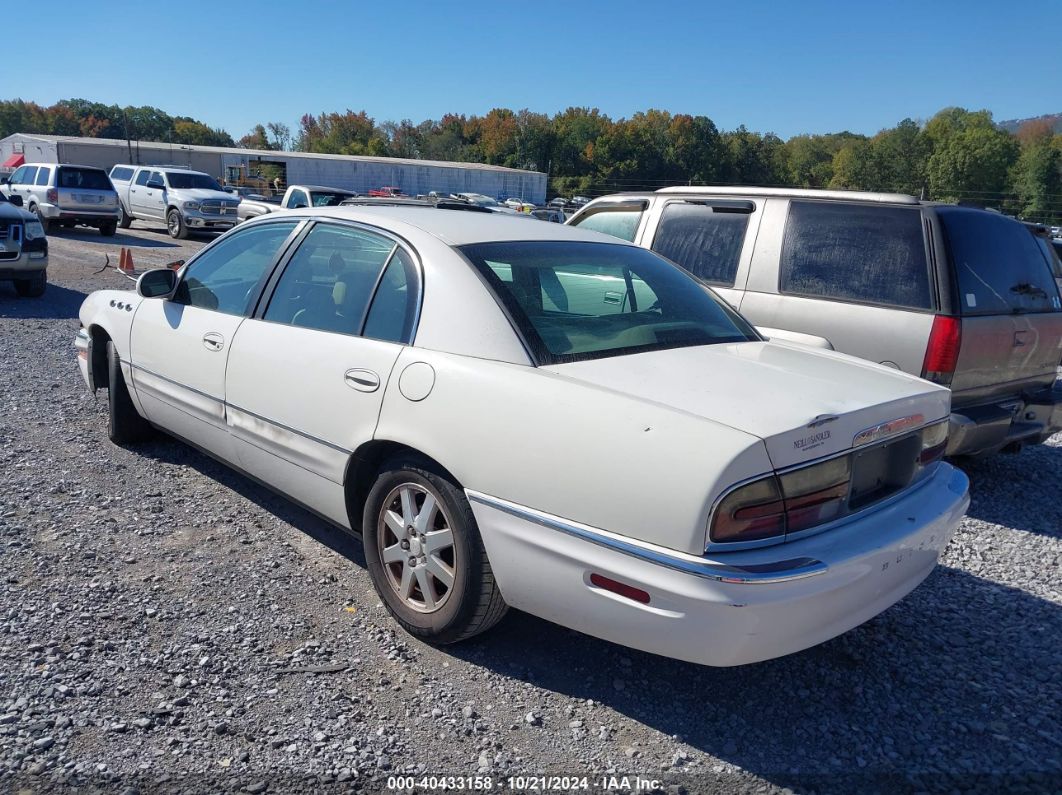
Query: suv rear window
[
  {"x": 84, "y": 178},
  {"x": 998, "y": 265},
  {"x": 859, "y": 253},
  {"x": 704, "y": 240},
  {"x": 621, "y": 221},
  {"x": 123, "y": 173}
]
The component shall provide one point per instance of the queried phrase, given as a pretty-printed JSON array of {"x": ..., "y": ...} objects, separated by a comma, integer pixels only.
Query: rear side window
[
  {"x": 621, "y": 222},
  {"x": 704, "y": 240},
  {"x": 121, "y": 173},
  {"x": 998, "y": 265},
  {"x": 143, "y": 177},
  {"x": 851, "y": 252},
  {"x": 42, "y": 176}
]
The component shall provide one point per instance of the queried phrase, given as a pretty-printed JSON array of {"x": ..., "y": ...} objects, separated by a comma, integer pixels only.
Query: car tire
[
  {"x": 34, "y": 287},
  {"x": 108, "y": 229},
  {"x": 123, "y": 217},
  {"x": 420, "y": 600},
  {"x": 47, "y": 224},
  {"x": 175, "y": 225},
  {"x": 125, "y": 425}
]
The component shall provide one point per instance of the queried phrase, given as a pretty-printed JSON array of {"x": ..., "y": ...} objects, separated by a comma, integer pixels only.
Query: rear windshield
[
  {"x": 998, "y": 264},
  {"x": 858, "y": 253},
  {"x": 327, "y": 199},
  {"x": 180, "y": 181},
  {"x": 84, "y": 178},
  {"x": 574, "y": 300},
  {"x": 621, "y": 222}
]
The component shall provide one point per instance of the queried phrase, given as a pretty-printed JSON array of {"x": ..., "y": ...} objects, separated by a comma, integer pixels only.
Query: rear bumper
[
  {"x": 54, "y": 213},
  {"x": 737, "y": 607},
  {"x": 1030, "y": 419}
]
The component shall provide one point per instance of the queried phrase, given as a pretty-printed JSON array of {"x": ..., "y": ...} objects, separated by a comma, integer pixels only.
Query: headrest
[{"x": 339, "y": 293}]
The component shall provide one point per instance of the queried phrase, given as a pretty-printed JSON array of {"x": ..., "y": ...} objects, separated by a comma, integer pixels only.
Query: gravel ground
[{"x": 168, "y": 626}]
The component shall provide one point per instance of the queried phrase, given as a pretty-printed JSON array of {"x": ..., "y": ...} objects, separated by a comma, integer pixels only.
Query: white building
[{"x": 351, "y": 172}]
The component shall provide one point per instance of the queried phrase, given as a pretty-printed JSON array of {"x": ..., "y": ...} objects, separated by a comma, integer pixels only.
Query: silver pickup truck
[
  {"x": 23, "y": 248},
  {"x": 185, "y": 200},
  {"x": 295, "y": 197}
]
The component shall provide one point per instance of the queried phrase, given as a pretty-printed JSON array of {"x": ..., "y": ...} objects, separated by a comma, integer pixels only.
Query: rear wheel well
[
  {"x": 368, "y": 461},
  {"x": 98, "y": 360}
]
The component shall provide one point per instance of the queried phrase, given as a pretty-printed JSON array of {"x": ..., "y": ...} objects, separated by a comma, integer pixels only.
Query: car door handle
[
  {"x": 1019, "y": 338},
  {"x": 213, "y": 341},
  {"x": 362, "y": 380}
]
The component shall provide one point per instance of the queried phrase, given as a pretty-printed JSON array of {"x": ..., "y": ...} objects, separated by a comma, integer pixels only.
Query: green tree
[{"x": 971, "y": 157}]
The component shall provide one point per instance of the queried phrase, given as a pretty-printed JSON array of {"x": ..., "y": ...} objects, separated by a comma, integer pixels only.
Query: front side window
[
  {"x": 226, "y": 276},
  {"x": 16, "y": 176},
  {"x": 703, "y": 239},
  {"x": 998, "y": 265},
  {"x": 42, "y": 176},
  {"x": 621, "y": 222},
  {"x": 328, "y": 282},
  {"x": 575, "y": 301},
  {"x": 857, "y": 253}
]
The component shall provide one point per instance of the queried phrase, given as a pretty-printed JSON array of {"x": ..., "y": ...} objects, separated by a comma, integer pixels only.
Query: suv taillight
[
  {"x": 52, "y": 196},
  {"x": 942, "y": 352}
]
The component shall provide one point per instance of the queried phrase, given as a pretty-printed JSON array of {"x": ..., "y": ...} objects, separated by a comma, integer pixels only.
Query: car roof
[
  {"x": 800, "y": 193},
  {"x": 458, "y": 228}
]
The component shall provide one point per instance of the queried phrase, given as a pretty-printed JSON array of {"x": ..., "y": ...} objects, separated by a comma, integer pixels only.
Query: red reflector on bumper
[{"x": 627, "y": 591}]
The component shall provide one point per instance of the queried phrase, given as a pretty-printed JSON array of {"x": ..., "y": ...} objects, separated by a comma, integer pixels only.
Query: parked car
[
  {"x": 295, "y": 197},
  {"x": 481, "y": 200},
  {"x": 957, "y": 295},
  {"x": 1051, "y": 249},
  {"x": 530, "y": 415},
  {"x": 185, "y": 200},
  {"x": 386, "y": 190},
  {"x": 65, "y": 195},
  {"x": 549, "y": 214},
  {"x": 23, "y": 248}
]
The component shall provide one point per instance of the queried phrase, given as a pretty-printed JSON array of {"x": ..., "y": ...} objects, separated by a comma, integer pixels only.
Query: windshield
[
  {"x": 480, "y": 199},
  {"x": 180, "y": 181},
  {"x": 84, "y": 178},
  {"x": 321, "y": 198},
  {"x": 999, "y": 266},
  {"x": 574, "y": 300}
]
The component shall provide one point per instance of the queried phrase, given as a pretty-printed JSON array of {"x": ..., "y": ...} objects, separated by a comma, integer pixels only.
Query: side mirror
[
  {"x": 159, "y": 283},
  {"x": 155, "y": 184},
  {"x": 15, "y": 200}
]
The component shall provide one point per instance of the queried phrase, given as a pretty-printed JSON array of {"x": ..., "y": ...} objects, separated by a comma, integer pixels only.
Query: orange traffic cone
[
  {"x": 122, "y": 262},
  {"x": 129, "y": 260}
]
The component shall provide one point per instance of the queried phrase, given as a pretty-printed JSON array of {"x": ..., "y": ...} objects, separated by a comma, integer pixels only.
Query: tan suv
[{"x": 960, "y": 296}]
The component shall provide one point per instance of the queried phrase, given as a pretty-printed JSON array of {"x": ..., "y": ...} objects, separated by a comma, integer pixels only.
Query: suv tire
[
  {"x": 33, "y": 287},
  {"x": 108, "y": 228},
  {"x": 49, "y": 226}
]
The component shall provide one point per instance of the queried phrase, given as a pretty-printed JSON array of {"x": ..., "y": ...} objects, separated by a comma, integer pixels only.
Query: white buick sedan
[{"x": 541, "y": 417}]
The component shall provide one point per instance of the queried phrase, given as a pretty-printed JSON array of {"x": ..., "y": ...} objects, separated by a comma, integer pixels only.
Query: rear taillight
[
  {"x": 781, "y": 504},
  {"x": 52, "y": 196},
  {"x": 942, "y": 352}
]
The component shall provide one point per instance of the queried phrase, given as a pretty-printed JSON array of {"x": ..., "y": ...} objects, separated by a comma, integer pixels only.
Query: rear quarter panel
[{"x": 597, "y": 457}]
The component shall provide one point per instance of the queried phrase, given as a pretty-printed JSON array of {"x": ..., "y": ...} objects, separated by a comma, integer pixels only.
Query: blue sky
[{"x": 786, "y": 67}]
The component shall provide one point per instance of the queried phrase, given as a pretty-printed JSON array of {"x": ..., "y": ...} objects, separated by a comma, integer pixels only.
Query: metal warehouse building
[{"x": 357, "y": 173}]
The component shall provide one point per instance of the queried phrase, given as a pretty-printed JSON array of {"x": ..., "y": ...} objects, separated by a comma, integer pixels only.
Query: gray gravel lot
[{"x": 168, "y": 626}]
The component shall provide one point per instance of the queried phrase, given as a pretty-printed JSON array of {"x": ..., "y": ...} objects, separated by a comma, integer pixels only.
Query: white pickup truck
[
  {"x": 295, "y": 197},
  {"x": 185, "y": 200}
]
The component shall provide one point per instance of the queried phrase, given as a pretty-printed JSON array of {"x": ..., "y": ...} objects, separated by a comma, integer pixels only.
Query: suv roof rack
[{"x": 799, "y": 193}]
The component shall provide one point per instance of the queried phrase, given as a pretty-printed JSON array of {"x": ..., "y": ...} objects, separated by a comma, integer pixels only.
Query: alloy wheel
[{"x": 416, "y": 546}]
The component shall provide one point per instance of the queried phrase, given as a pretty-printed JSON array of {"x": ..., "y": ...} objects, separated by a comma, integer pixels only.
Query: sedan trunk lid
[{"x": 803, "y": 403}]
